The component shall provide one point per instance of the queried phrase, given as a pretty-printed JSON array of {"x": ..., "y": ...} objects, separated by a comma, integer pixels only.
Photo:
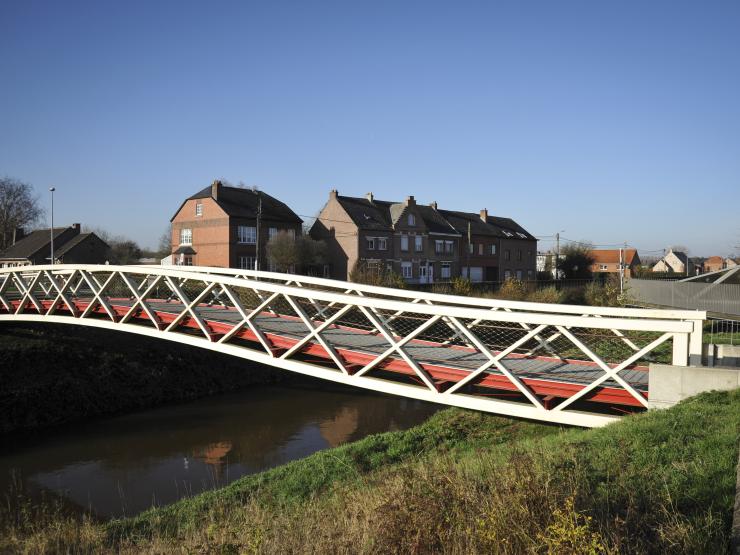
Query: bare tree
[
  {"x": 165, "y": 243},
  {"x": 19, "y": 207},
  {"x": 302, "y": 253}
]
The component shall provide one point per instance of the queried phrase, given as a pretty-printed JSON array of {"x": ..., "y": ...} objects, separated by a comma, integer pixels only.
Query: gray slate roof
[
  {"x": 243, "y": 203},
  {"x": 32, "y": 243},
  {"x": 72, "y": 243}
]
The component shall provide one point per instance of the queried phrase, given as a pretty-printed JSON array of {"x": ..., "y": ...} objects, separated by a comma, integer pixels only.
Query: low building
[
  {"x": 676, "y": 262},
  {"x": 610, "y": 261},
  {"x": 70, "y": 247},
  {"x": 714, "y": 264},
  {"x": 229, "y": 227}
]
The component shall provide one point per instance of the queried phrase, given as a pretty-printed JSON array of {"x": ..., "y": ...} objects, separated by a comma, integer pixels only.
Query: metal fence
[{"x": 720, "y": 298}]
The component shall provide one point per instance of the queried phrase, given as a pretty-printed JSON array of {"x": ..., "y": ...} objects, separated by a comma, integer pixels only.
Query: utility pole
[
  {"x": 557, "y": 255},
  {"x": 469, "y": 247},
  {"x": 51, "y": 190},
  {"x": 622, "y": 258},
  {"x": 258, "y": 244}
]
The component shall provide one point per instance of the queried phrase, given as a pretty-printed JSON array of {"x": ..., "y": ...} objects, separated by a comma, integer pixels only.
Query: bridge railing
[
  {"x": 454, "y": 350},
  {"x": 693, "y": 348}
]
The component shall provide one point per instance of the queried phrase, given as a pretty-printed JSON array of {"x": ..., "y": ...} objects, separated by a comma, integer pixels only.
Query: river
[{"x": 123, "y": 465}]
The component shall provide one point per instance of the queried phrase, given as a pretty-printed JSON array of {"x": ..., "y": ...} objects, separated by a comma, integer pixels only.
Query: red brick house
[
  {"x": 413, "y": 240},
  {"x": 422, "y": 243},
  {"x": 607, "y": 261},
  {"x": 222, "y": 226}
]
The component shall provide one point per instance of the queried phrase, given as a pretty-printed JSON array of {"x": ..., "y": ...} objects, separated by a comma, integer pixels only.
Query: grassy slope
[{"x": 661, "y": 482}]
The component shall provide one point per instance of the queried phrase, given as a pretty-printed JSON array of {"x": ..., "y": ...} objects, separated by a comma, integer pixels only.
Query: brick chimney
[
  {"x": 76, "y": 227},
  {"x": 410, "y": 201},
  {"x": 333, "y": 194},
  {"x": 369, "y": 197},
  {"x": 215, "y": 189},
  {"x": 433, "y": 204},
  {"x": 484, "y": 214}
]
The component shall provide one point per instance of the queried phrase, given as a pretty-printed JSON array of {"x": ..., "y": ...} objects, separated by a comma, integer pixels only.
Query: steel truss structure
[{"x": 573, "y": 365}]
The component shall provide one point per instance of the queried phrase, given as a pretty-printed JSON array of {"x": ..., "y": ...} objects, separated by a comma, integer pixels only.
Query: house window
[
  {"x": 326, "y": 270},
  {"x": 371, "y": 243},
  {"x": 246, "y": 235},
  {"x": 519, "y": 254},
  {"x": 493, "y": 249},
  {"x": 507, "y": 274},
  {"x": 186, "y": 236},
  {"x": 382, "y": 243},
  {"x": 247, "y": 262},
  {"x": 507, "y": 254},
  {"x": 198, "y": 208},
  {"x": 444, "y": 271},
  {"x": 480, "y": 248},
  {"x": 471, "y": 247},
  {"x": 519, "y": 275},
  {"x": 406, "y": 270},
  {"x": 418, "y": 243},
  {"x": 449, "y": 247},
  {"x": 603, "y": 267},
  {"x": 412, "y": 219},
  {"x": 271, "y": 233},
  {"x": 530, "y": 274},
  {"x": 404, "y": 242},
  {"x": 439, "y": 246}
]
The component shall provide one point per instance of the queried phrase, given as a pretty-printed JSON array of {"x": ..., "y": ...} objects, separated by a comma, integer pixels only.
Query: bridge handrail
[
  {"x": 444, "y": 298},
  {"x": 580, "y": 321}
]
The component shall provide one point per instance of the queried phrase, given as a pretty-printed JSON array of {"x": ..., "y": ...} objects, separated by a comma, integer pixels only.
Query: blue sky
[{"x": 612, "y": 121}]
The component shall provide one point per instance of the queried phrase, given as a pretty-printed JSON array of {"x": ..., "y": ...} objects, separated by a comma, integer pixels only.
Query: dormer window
[{"x": 412, "y": 219}]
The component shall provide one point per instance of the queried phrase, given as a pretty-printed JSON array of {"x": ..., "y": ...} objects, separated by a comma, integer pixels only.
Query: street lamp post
[{"x": 51, "y": 190}]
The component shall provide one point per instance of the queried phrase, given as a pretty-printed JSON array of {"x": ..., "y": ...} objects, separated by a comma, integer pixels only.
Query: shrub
[
  {"x": 548, "y": 294},
  {"x": 513, "y": 290},
  {"x": 461, "y": 286},
  {"x": 376, "y": 274}
]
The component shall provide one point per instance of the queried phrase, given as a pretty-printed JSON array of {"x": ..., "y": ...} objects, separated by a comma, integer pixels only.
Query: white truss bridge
[{"x": 567, "y": 364}]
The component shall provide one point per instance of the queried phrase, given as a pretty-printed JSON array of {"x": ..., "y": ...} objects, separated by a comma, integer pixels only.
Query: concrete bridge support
[{"x": 669, "y": 384}]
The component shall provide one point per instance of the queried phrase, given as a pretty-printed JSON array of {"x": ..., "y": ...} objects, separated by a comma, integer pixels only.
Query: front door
[{"x": 422, "y": 274}]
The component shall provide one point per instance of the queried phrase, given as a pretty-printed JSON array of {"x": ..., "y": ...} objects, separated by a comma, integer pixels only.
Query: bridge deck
[{"x": 445, "y": 364}]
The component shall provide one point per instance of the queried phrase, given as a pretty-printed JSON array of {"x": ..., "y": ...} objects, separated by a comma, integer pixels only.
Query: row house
[
  {"x": 412, "y": 240},
  {"x": 225, "y": 226},
  {"x": 422, "y": 243},
  {"x": 494, "y": 248}
]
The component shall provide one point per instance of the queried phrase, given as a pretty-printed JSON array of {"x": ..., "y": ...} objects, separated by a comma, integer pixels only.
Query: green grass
[{"x": 659, "y": 482}]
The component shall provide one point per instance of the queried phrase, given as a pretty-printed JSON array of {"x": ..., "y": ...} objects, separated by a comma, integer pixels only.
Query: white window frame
[
  {"x": 493, "y": 249},
  {"x": 449, "y": 247},
  {"x": 519, "y": 275},
  {"x": 471, "y": 248},
  {"x": 439, "y": 246},
  {"x": 247, "y": 262},
  {"x": 382, "y": 243},
  {"x": 603, "y": 266},
  {"x": 371, "y": 243},
  {"x": 246, "y": 235},
  {"x": 271, "y": 232},
  {"x": 186, "y": 236},
  {"x": 418, "y": 243},
  {"x": 445, "y": 270},
  {"x": 411, "y": 219},
  {"x": 404, "y": 243},
  {"x": 407, "y": 270},
  {"x": 480, "y": 249},
  {"x": 198, "y": 208}
]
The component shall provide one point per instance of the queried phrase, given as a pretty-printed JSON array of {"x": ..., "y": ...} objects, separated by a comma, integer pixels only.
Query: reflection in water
[{"x": 125, "y": 465}]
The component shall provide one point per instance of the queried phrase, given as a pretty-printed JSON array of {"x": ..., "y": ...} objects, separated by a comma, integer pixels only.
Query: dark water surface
[{"x": 126, "y": 464}]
